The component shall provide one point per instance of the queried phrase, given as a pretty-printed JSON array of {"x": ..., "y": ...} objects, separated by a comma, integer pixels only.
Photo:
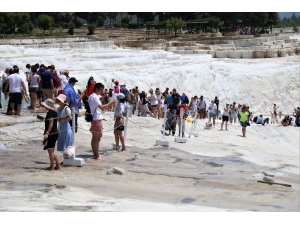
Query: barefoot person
[
  {"x": 225, "y": 116},
  {"x": 119, "y": 121},
  {"x": 243, "y": 117},
  {"x": 96, "y": 124},
  {"x": 50, "y": 133},
  {"x": 34, "y": 81},
  {"x": 65, "y": 136}
]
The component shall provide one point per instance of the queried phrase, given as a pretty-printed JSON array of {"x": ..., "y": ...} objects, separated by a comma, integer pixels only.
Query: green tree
[
  {"x": 71, "y": 28},
  {"x": 91, "y": 29},
  {"x": 14, "y": 19},
  {"x": 273, "y": 19},
  {"x": 175, "y": 24},
  {"x": 100, "y": 21},
  {"x": 44, "y": 22}
]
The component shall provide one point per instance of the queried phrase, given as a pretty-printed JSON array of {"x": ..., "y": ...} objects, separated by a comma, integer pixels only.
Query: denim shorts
[
  {"x": 212, "y": 115},
  {"x": 243, "y": 124}
]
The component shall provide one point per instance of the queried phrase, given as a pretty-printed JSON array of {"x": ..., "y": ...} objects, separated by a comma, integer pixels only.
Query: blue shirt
[
  {"x": 72, "y": 100},
  {"x": 259, "y": 119},
  {"x": 46, "y": 77},
  {"x": 169, "y": 99}
]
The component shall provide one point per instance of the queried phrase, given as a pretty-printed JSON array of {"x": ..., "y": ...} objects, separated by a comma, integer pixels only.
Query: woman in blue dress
[{"x": 65, "y": 135}]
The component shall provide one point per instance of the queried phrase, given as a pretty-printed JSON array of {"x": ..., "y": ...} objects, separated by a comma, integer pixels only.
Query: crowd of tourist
[{"x": 50, "y": 88}]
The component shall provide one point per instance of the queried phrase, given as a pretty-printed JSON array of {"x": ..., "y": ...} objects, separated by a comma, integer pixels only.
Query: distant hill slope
[{"x": 288, "y": 14}]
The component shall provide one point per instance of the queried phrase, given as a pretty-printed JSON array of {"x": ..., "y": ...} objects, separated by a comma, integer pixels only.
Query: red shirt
[{"x": 90, "y": 89}]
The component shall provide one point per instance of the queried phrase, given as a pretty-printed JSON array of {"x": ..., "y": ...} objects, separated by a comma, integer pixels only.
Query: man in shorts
[
  {"x": 15, "y": 84},
  {"x": 225, "y": 116},
  {"x": 213, "y": 111},
  {"x": 96, "y": 124}
]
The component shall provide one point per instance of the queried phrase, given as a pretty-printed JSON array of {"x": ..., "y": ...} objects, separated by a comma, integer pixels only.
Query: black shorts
[
  {"x": 3, "y": 86},
  {"x": 39, "y": 94},
  {"x": 51, "y": 141},
  {"x": 16, "y": 98},
  {"x": 225, "y": 118},
  {"x": 120, "y": 127}
]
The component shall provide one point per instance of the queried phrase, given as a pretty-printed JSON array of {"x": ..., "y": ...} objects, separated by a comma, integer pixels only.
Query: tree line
[{"x": 23, "y": 22}]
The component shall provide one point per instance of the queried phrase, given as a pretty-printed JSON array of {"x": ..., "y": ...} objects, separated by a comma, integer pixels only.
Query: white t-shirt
[
  {"x": 15, "y": 83},
  {"x": 226, "y": 113},
  {"x": 64, "y": 82},
  {"x": 114, "y": 94},
  {"x": 4, "y": 77},
  {"x": 202, "y": 104},
  {"x": 158, "y": 97},
  {"x": 120, "y": 108},
  {"x": 212, "y": 108},
  {"x": 194, "y": 107},
  {"x": 153, "y": 99},
  {"x": 94, "y": 102},
  {"x": 34, "y": 81}
]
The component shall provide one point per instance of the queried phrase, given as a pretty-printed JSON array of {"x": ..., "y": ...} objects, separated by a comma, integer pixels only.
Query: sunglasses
[{"x": 91, "y": 78}]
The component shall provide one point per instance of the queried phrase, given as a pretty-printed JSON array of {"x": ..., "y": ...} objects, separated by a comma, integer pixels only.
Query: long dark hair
[{"x": 90, "y": 82}]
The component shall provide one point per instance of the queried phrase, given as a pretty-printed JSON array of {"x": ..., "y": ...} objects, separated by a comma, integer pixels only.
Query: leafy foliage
[
  {"x": 290, "y": 22},
  {"x": 77, "y": 23},
  {"x": 91, "y": 29},
  {"x": 44, "y": 22},
  {"x": 100, "y": 21},
  {"x": 71, "y": 28},
  {"x": 175, "y": 24},
  {"x": 13, "y": 20}
]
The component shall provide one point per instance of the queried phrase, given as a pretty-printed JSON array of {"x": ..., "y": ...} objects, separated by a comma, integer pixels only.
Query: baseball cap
[
  {"x": 116, "y": 82},
  {"x": 73, "y": 79},
  {"x": 120, "y": 96}
]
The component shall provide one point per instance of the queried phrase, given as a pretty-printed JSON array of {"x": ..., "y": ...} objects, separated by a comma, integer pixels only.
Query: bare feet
[
  {"x": 49, "y": 168},
  {"x": 57, "y": 168},
  {"x": 100, "y": 157}
]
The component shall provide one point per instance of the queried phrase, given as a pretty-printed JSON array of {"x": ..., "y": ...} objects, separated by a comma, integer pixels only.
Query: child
[{"x": 119, "y": 121}]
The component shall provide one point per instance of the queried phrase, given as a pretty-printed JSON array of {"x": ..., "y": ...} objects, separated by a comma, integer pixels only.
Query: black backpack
[
  {"x": 255, "y": 119},
  {"x": 88, "y": 116}
]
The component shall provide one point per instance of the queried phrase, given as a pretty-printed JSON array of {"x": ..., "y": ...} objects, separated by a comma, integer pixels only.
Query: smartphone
[
  {"x": 40, "y": 117},
  {"x": 45, "y": 142}
]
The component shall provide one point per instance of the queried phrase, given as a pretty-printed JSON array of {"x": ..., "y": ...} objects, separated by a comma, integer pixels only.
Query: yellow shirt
[{"x": 243, "y": 117}]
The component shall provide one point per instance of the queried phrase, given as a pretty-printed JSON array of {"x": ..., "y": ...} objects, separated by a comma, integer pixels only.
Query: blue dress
[{"x": 65, "y": 135}]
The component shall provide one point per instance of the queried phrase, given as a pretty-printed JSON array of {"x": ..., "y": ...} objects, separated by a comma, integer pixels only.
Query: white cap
[{"x": 120, "y": 96}]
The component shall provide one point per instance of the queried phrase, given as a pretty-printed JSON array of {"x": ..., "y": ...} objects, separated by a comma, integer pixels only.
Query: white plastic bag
[{"x": 69, "y": 153}]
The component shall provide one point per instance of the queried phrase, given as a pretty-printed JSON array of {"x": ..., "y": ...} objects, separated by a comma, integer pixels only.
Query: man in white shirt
[
  {"x": 15, "y": 84},
  {"x": 96, "y": 124},
  {"x": 213, "y": 111}
]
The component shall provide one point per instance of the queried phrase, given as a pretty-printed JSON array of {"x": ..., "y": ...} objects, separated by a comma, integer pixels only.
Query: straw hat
[
  {"x": 49, "y": 103},
  {"x": 62, "y": 98}
]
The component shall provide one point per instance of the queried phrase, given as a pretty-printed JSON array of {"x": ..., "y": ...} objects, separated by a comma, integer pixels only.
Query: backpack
[
  {"x": 116, "y": 89},
  {"x": 88, "y": 116},
  {"x": 56, "y": 81},
  {"x": 255, "y": 119}
]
